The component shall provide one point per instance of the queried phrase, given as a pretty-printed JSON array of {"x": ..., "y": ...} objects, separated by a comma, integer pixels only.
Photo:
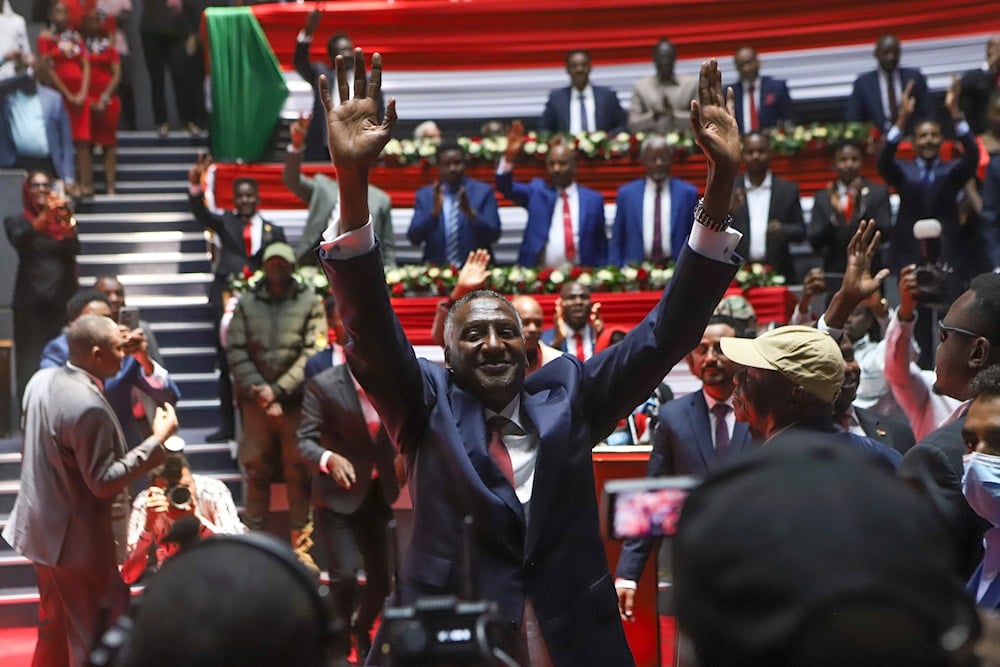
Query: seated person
[
  {"x": 456, "y": 214},
  {"x": 582, "y": 106},
  {"x": 654, "y": 214},
  {"x": 565, "y": 220},
  {"x": 154, "y": 514}
]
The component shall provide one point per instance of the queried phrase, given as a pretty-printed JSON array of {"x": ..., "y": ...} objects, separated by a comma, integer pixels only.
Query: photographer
[{"x": 174, "y": 493}]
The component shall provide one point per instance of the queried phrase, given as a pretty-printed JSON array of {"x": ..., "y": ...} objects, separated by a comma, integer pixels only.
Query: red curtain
[{"x": 423, "y": 35}]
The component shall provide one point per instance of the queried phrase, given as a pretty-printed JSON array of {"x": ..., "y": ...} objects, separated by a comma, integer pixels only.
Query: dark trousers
[
  {"x": 33, "y": 328},
  {"x": 75, "y": 606},
  {"x": 162, "y": 52},
  {"x": 351, "y": 542}
]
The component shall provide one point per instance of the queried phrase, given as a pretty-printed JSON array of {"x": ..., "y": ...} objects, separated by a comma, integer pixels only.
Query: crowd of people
[{"x": 494, "y": 446}]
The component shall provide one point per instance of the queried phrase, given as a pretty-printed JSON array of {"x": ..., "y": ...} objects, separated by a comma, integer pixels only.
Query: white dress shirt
[
  {"x": 648, "y": 208},
  {"x": 574, "y": 109},
  {"x": 759, "y": 209}
]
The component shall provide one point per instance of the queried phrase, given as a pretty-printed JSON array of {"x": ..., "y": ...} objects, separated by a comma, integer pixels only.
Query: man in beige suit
[
  {"x": 75, "y": 466},
  {"x": 662, "y": 103}
]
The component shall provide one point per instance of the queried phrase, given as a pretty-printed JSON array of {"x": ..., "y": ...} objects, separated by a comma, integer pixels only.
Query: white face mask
[{"x": 981, "y": 485}]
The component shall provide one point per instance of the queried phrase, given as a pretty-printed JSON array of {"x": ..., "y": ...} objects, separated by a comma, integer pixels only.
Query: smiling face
[
  {"x": 578, "y": 68},
  {"x": 113, "y": 289},
  {"x": 847, "y": 163},
  {"x": 561, "y": 165},
  {"x": 485, "y": 351},
  {"x": 39, "y": 187},
  {"x": 575, "y": 300},
  {"x": 927, "y": 140},
  {"x": 710, "y": 365},
  {"x": 245, "y": 199},
  {"x": 531, "y": 321}
]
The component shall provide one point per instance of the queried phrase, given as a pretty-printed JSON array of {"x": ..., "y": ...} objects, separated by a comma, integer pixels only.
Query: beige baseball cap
[
  {"x": 279, "y": 249},
  {"x": 804, "y": 355}
]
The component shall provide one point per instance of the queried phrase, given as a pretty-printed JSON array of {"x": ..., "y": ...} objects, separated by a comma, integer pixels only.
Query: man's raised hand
[
  {"x": 713, "y": 119},
  {"x": 355, "y": 137}
]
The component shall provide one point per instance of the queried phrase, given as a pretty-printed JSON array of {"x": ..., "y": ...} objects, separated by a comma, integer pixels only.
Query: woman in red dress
[
  {"x": 105, "y": 106},
  {"x": 70, "y": 75}
]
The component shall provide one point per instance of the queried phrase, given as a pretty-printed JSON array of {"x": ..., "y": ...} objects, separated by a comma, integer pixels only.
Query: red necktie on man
[
  {"x": 580, "y": 354},
  {"x": 754, "y": 121},
  {"x": 568, "y": 229},
  {"x": 248, "y": 237},
  {"x": 497, "y": 450}
]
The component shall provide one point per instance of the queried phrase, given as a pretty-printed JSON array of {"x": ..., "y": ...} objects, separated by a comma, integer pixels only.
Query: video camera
[
  {"x": 177, "y": 495},
  {"x": 935, "y": 283}
]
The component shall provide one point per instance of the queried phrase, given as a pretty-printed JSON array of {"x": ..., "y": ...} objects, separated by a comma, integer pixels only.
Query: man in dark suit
[
  {"x": 337, "y": 45},
  {"x": 991, "y": 207},
  {"x": 766, "y": 209},
  {"x": 693, "y": 434},
  {"x": 977, "y": 86},
  {"x": 456, "y": 214},
  {"x": 240, "y": 239},
  {"x": 565, "y": 219},
  {"x": 928, "y": 186},
  {"x": 846, "y": 201},
  {"x": 578, "y": 322},
  {"x": 653, "y": 215},
  {"x": 876, "y": 96},
  {"x": 761, "y": 101},
  {"x": 76, "y": 465},
  {"x": 547, "y": 575},
  {"x": 343, "y": 444},
  {"x": 581, "y": 106}
]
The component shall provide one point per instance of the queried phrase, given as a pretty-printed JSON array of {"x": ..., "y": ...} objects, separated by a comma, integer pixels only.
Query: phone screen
[
  {"x": 129, "y": 317},
  {"x": 645, "y": 507}
]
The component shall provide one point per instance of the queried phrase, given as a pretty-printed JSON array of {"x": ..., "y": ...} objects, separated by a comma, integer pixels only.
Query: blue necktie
[
  {"x": 584, "y": 126},
  {"x": 451, "y": 229}
]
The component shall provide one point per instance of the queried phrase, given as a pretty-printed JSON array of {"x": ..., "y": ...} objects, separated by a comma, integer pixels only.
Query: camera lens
[{"x": 179, "y": 497}]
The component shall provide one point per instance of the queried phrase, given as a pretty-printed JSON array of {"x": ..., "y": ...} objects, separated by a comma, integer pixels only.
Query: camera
[
  {"x": 178, "y": 496},
  {"x": 645, "y": 507},
  {"x": 936, "y": 286}
]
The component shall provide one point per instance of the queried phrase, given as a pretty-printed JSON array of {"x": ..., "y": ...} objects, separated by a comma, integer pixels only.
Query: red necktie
[
  {"x": 497, "y": 450},
  {"x": 754, "y": 122},
  {"x": 580, "y": 354},
  {"x": 568, "y": 229},
  {"x": 248, "y": 237},
  {"x": 848, "y": 205},
  {"x": 656, "y": 252},
  {"x": 893, "y": 107}
]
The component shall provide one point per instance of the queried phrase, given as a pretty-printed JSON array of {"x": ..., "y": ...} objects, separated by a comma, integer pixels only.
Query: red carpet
[{"x": 16, "y": 646}]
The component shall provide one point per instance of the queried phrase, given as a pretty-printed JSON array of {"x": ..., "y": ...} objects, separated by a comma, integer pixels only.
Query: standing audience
[
  {"x": 661, "y": 103},
  {"x": 105, "y": 106},
  {"x": 582, "y": 106}
]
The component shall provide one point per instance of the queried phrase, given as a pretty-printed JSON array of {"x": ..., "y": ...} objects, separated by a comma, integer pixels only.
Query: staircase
[{"x": 146, "y": 235}]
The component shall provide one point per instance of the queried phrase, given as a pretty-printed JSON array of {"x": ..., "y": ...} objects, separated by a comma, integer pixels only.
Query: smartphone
[
  {"x": 647, "y": 507},
  {"x": 129, "y": 316}
]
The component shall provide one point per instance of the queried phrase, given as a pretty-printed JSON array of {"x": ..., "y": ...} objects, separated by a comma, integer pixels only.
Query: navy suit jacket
[
  {"x": 480, "y": 232},
  {"x": 682, "y": 445},
  {"x": 775, "y": 103},
  {"x": 865, "y": 102},
  {"x": 991, "y": 599},
  {"x": 961, "y": 246},
  {"x": 829, "y": 233},
  {"x": 991, "y": 211},
  {"x": 608, "y": 113},
  {"x": 540, "y": 198},
  {"x": 557, "y": 558},
  {"x": 890, "y": 432},
  {"x": 627, "y": 243}
]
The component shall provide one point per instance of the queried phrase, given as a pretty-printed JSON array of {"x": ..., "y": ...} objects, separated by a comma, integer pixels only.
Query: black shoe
[
  {"x": 364, "y": 645},
  {"x": 222, "y": 435}
]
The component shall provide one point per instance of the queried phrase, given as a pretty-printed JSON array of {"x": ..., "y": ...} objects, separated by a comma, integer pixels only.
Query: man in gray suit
[
  {"x": 75, "y": 466},
  {"x": 322, "y": 195},
  {"x": 353, "y": 482}
]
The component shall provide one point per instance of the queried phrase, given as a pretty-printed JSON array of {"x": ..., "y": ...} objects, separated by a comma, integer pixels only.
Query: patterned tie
[
  {"x": 568, "y": 229},
  {"x": 722, "y": 441},
  {"x": 584, "y": 126},
  {"x": 451, "y": 206},
  {"x": 893, "y": 105},
  {"x": 497, "y": 450},
  {"x": 754, "y": 121},
  {"x": 248, "y": 237},
  {"x": 656, "y": 252}
]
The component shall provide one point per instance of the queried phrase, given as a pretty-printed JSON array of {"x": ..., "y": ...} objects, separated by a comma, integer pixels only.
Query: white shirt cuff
[
  {"x": 303, "y": 37},
  {"x": 893, "y": 135},
  {"x": 821, "y": 325},
  {"x": 350, "y": 244},
  {"x": 962, "y": 128},
  {"x": 625, "y": 583},
  {"x": 324, "y": 462},
  {"x": 292, "y": 149},
  {"x": 720, "y": 246},
  {"x": 503, "y": 166}
]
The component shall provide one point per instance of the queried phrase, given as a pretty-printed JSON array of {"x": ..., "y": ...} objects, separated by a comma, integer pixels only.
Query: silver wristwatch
[{"x": 702, "y": 218}]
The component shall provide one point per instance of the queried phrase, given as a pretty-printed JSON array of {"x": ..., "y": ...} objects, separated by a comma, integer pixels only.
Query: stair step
[
  {"x": 151, "y": 186},
  {"x": 196, "y": 333},
  {"x": 165, "y": 172},
  {"x": 152, "y": 141},
  {"x": 129, "y": 156},
  {"x": 16, "y": 571},
  {"x": 10, "y": 467},
  {"x": 170, "y": 263},
  {"x": 135, "y": 203}
]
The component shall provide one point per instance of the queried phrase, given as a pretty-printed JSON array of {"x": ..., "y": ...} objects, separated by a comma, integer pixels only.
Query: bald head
[{"x": 95, "y": 345}]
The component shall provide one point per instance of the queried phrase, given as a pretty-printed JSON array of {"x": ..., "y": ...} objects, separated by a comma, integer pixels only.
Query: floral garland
[
  {"x": 429, "y": 280},
  {"x": 787, "y": 140}
]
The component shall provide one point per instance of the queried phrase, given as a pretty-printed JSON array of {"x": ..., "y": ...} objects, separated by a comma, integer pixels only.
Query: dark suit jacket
[
  {"x": 824, "y": 430},
  {"x": 479, "y": 232},
  {"x": 682, "y": 445},
  {"x": 960, "y": 245},
  {"x": 890, "y": 432},
  {"x": 540, "y": 198},
  {"x": 991, "y": 599},
  {"x": 316, "y": 149},
  {"x": 627, "y": 242},
  {"x": 549, "y": 335},
  {"x": 935, "y": 465},
  {"x": 829, "y": 233},
  {"x": 786, "y": 207},
  {"x": 977, "y": 86},
  {"x": 228, "y": 227},
  {"x": 608, "y": 113},
  {"x": 46, "y": 268},
  {"x": 332, "y": 420},
  {"x": 865, "y": 102},
  {"x": 557, "y": 558},
  {"x": 991, "y": 211},
  {"x": 775, "y": 103}
]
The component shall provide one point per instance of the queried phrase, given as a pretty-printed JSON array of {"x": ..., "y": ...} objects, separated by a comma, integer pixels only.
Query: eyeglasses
[
  {"x": 944, "y": 330},
  {"x": 40, "y": 185}
]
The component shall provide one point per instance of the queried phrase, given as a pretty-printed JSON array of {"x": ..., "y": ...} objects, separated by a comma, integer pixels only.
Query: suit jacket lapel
[
  {"x": 701, "y": 428},
  {"x": 548, "y": 412},
  {"x": 741, "y": 437},
  {"x": 471, "y": 425}
]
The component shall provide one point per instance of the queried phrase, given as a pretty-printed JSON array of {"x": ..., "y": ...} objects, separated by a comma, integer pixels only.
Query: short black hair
[
  {"x": 252, "y": 182},
  {"x": 79, "y": 301},
  {"x": 846, "y": 142},
  {"x": 449, "y": 145},
  {"x": 572, "y": 53},
  {"x": 985, "y": 307},
  {"x": 738, "y": 327},
  {"x": 478, "y": 294},
  {"x": 986, "y": 383},
  {"x": 331, "y": 43},
  {"x": 766, "y": 136}
]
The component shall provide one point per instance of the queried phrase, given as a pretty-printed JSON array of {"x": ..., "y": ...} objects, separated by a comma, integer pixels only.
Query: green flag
[{"x": 248, "y": 88}]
